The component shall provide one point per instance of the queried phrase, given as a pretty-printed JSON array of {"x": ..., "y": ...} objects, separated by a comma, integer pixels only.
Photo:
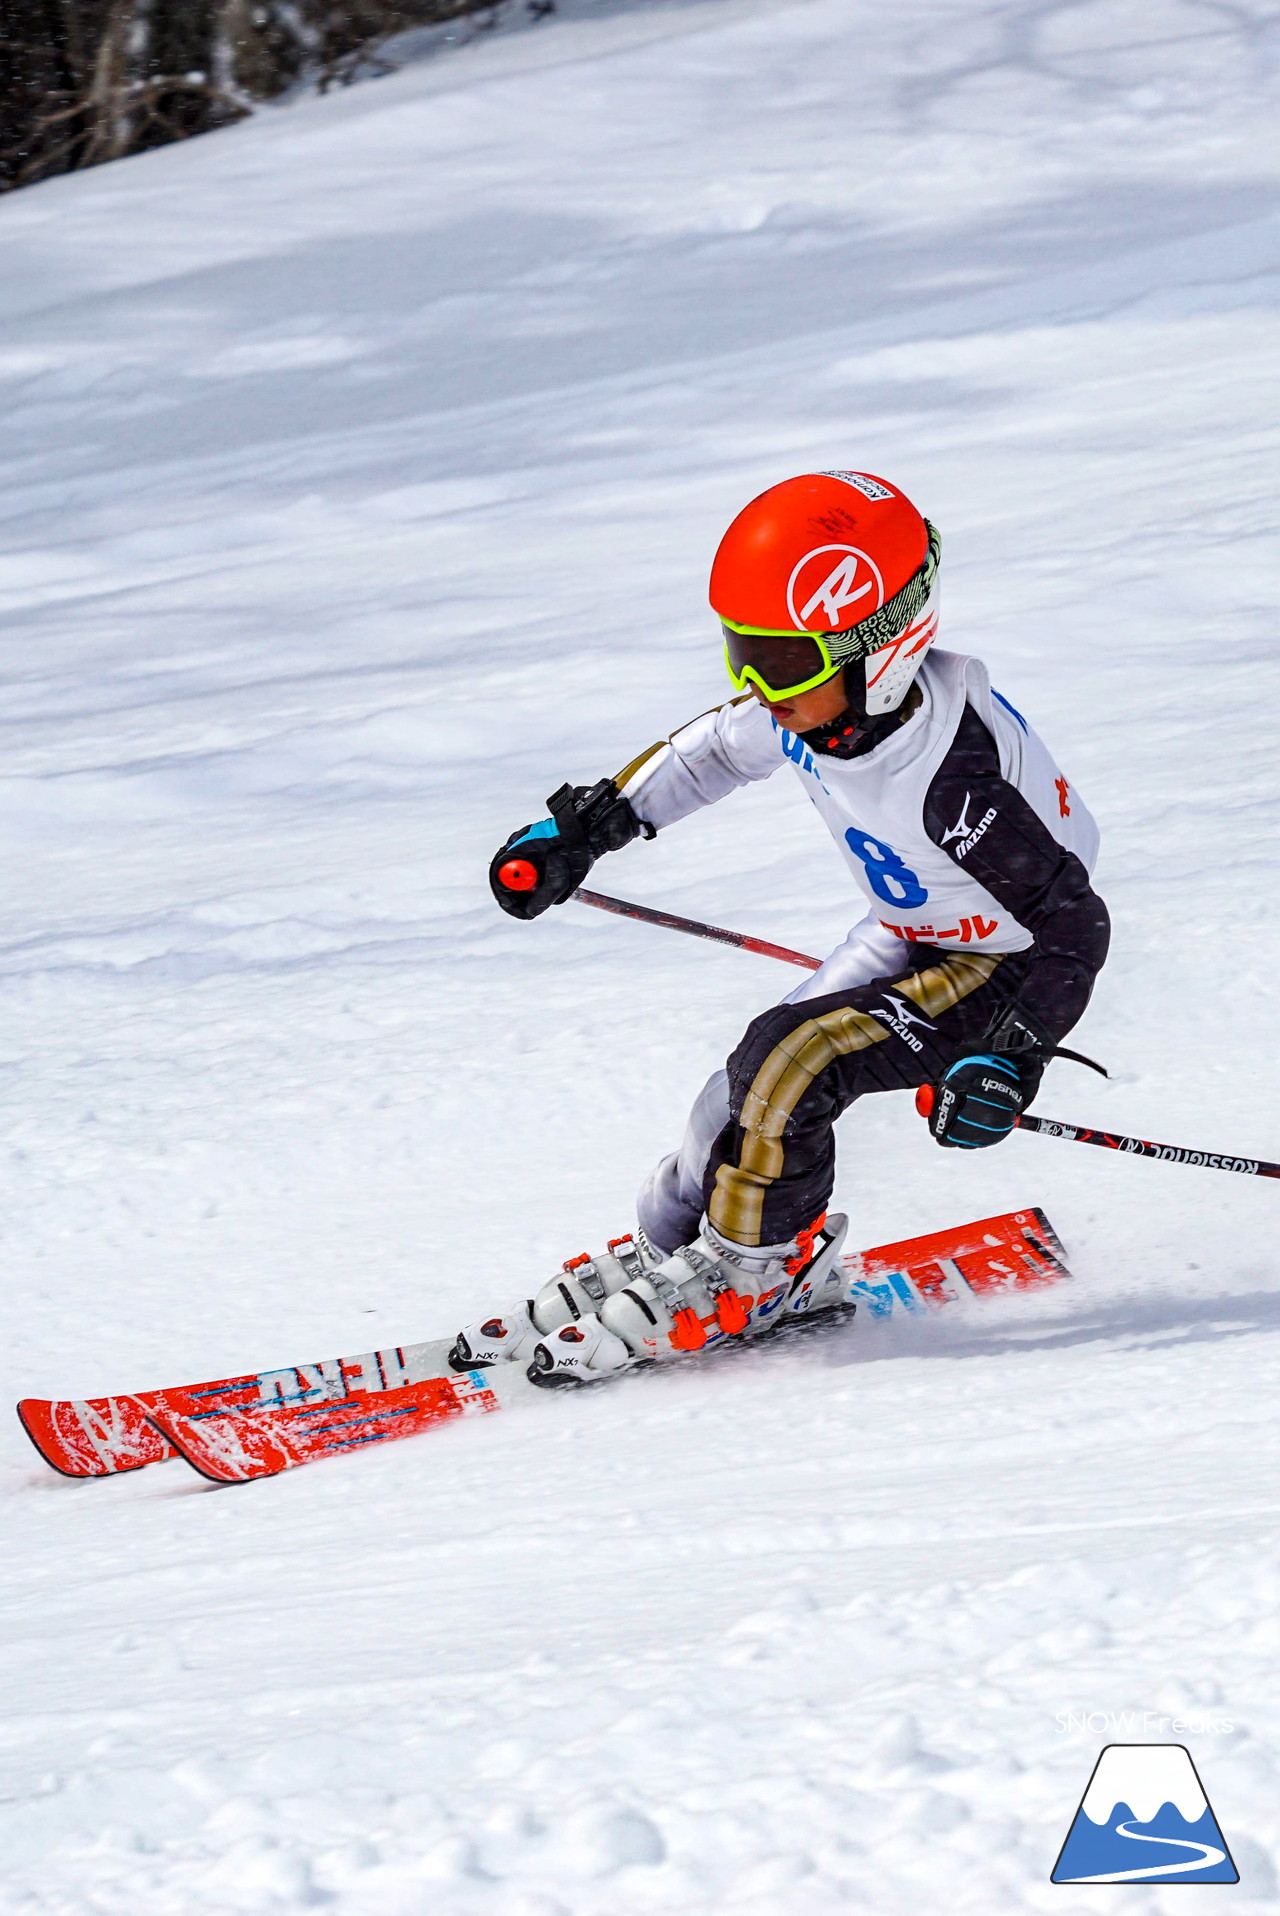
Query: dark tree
[{"x": 82, "y": 81}]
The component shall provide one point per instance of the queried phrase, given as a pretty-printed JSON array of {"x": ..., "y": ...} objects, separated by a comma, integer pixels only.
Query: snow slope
[{"x": 361, "y": 470}]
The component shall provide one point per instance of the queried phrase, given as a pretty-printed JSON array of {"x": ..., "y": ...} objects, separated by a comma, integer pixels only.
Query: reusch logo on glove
[{"x": 1005, "y": 1089}]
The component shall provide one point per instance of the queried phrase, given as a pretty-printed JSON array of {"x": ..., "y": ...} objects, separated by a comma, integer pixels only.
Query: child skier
[{"x": 977, "y": 956}]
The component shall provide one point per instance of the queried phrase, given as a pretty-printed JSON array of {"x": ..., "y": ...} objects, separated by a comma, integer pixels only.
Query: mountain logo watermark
[{"x": 1144, "y": 1818}]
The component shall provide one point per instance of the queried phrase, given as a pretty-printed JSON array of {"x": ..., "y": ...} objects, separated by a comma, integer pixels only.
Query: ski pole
[
  {"x": 1171, "y": 1153},
  {"x": 1047, "y": 1127},
  {"x": 696, "y": 928}
]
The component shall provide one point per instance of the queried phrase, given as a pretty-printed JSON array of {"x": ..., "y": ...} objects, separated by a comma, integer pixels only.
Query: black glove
[
  {"x": 544, "y": 864},
  {"x": 978, "y": 1098}
]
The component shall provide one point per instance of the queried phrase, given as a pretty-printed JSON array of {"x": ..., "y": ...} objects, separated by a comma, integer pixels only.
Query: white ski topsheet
[{"x": 362, "y": 469}]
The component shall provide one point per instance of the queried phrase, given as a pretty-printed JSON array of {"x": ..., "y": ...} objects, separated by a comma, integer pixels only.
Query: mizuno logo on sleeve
[{"x": 962, "y": 830}]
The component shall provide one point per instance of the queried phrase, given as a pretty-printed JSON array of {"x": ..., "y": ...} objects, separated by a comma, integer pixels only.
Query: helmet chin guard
[{"x": 891, "y": 668}]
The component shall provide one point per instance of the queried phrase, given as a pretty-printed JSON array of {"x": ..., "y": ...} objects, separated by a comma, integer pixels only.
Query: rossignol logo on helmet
[
  {"x": 869, "y": 488},
  {"x": 825, "y": 584}
]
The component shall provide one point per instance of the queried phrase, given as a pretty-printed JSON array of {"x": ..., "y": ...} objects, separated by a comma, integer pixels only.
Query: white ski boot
[
  {"x": 576, "y": 1295},
  {"x": 702, "y": 1293},
  {"x": 580, "y": 1353}
]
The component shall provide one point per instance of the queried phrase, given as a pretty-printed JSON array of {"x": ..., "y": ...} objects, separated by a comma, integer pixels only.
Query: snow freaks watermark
[
  {"x": 1139, "y": 1723},
  {"x": 1144, "y": 1818}
]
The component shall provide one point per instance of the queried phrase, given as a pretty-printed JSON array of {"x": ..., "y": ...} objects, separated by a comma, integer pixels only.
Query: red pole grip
[{"x": 518, "y": 875}]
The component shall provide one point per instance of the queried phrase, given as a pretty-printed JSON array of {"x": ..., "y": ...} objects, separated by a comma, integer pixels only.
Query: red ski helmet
[{"x": 843, "y": 558}]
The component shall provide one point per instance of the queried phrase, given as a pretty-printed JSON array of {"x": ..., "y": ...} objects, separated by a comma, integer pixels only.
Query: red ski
[
  {"x": 1017, "y": 1252},
  {"x": 235, "y": 1446},
  {"x": 101, "y": 1436}
]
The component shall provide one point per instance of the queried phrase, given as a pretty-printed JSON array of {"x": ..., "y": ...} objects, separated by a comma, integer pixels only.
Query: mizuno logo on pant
[{"x": 899, "y": 1019}]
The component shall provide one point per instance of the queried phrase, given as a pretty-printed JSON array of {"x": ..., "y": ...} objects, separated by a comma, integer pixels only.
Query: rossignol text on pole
[
  {"x": 1144, "y": 1147},
  {"x": 1047, "y": 1127}
]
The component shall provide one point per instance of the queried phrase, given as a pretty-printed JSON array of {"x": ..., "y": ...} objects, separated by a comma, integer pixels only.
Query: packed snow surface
[{"x": 361, "y": 471}]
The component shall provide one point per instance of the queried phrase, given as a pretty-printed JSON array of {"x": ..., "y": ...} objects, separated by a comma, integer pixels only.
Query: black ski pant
[{"x": 772, "y": 1168}]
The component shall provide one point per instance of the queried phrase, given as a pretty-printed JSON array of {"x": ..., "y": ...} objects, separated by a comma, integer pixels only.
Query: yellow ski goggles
[{"x": 782, "y": 664}]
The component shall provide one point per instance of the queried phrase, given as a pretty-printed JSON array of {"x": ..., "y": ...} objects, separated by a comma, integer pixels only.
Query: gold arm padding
[
  {"x": 737, "y": 1202},
  {"x": 629, "y": 771}
]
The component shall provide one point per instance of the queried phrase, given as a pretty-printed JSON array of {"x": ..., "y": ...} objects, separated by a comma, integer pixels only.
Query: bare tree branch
[{"x": 85, "y": 81}]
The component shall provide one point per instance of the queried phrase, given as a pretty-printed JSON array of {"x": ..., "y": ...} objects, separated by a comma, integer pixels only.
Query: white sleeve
[
  {"x": 870, "y": 951},
  {"x": 702, "y": 762}
]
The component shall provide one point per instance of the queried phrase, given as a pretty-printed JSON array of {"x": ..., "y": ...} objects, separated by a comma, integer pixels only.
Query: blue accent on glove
[
  {"x": 992, "y": 1058},
  {"x": 545, "y": 828}
]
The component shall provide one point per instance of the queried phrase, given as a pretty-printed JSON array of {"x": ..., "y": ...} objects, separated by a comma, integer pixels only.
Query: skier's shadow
[{"x": 1151, "y": 1322}]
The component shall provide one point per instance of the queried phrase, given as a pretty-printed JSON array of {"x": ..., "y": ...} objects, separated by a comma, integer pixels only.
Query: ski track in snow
[{"x": 361, "y": 472}]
